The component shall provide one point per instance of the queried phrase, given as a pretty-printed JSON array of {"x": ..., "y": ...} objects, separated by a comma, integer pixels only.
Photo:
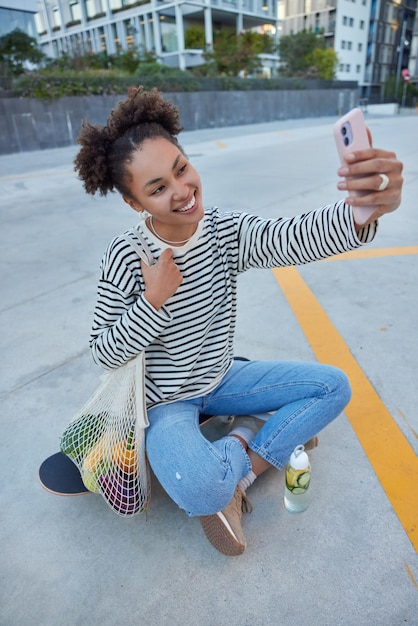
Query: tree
[
  {"x": 194, "y": 37},
  {"x": 323, "y": 63},
  {"x": 301, "y": 51},
  {"x": 18, "y": 49},
  {"x": 234, "y": 53}
]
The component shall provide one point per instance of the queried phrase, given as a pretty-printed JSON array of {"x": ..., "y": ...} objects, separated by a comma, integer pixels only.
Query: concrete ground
[{"x": 348, "y": 560}]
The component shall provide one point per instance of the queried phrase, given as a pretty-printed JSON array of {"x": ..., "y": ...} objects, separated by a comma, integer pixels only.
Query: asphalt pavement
[{"x": 351, "y": 558}]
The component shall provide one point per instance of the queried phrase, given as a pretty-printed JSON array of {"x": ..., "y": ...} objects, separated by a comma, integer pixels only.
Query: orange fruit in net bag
[
  {"x": 95, "y": 455},
  {"x": 124, "y": 456}
]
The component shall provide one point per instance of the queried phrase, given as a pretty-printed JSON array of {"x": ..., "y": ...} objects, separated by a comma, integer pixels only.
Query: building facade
[
  {"x": 18, "y": 14},
  {"x": 390, "y": 42},
  {"x": 344, "y": 24},
  {"x": 81, "y": 26},
  {"x": 374, "y": 39}
]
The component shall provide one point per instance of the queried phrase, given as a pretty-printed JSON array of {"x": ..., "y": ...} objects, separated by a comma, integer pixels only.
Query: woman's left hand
[{"x": 367, "y": 171}]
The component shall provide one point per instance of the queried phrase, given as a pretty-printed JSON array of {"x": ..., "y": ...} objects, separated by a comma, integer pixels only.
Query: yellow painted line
[
  {"x": 414, "y": 432},
  {"x": 35, "y": 175},
  {"x": 391, "y": 456},
  {"x": 371, "y": 253},
  {"x": 411, "y": 576},
  {"x": 220, "y": 144}
]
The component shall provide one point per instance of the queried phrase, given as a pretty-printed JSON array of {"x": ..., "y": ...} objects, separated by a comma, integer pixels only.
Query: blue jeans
[{"x": 201, "y": 476}]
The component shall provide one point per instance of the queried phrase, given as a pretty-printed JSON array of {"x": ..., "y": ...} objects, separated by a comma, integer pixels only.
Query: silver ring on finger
[{"x": 384, "y": 183}]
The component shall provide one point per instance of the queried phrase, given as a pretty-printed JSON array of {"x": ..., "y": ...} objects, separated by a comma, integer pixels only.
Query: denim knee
[
  {"x": 340, "y": 386},
  {"x": 201, "y": 478}
]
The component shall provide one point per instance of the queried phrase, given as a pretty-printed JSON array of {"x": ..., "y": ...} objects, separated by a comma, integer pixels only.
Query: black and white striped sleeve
[{"x": 316, "y": 235}]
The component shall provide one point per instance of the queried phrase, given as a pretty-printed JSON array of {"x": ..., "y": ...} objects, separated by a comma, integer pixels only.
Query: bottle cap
[{"x": 299, "y": 459}]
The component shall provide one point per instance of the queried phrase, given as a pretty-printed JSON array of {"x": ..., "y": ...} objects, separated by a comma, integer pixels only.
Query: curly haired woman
[{"x": 181, "y": 309}]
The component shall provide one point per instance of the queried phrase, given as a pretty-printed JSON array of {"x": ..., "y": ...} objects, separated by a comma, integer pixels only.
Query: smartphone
[{"x": 350, "y": 134}]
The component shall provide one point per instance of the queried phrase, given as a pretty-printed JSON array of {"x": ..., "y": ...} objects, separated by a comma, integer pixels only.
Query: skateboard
[{"x": 60, "y": 476}]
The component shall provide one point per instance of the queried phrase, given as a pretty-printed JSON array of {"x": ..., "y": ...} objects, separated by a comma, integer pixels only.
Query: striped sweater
[{"x": 188, "y": 343}]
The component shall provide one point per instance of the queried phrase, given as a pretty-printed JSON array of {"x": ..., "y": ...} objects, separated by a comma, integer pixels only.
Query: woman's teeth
[{"x": 187, "y": 207}]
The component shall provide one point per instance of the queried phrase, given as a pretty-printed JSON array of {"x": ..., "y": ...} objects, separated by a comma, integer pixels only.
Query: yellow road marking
[
  {"x": 390, "y": 454},
  {"x": 35, "y": 175},
  {"x": 402, "y": 414},
  {"x": 371, "y": 253},
  {"x": 220, "y": 144},
  {"x": 410, "y": 574}
]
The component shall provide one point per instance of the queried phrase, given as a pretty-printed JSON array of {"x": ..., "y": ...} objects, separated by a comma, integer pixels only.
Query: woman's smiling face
[{"x": 167, "y": 186}]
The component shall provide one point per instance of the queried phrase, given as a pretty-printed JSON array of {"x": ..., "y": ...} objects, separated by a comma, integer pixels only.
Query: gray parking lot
[{"x": 351, "y": 558}]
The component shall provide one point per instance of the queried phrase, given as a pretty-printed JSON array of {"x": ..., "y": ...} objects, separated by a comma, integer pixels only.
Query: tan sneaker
[
  {"x": 224, "y": 529},
  {"x": 312, "y": 443}
]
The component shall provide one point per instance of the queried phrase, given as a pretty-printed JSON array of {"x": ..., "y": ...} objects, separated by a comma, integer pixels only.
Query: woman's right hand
[{"x": 161, "y": 279}]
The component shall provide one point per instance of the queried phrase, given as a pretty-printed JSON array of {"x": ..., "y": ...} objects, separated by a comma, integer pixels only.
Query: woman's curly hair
[{"x": 106, "y": 150}]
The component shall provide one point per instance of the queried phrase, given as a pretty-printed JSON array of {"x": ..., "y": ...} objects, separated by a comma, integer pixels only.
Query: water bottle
[{"x": 298, "y": 477}]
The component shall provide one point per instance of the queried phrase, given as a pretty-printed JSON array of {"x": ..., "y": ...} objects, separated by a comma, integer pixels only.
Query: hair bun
[{"x": 143, "y": 107}]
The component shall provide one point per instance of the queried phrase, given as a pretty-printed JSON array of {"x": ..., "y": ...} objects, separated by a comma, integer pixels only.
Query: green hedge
[{"x": 50, "y": 85}]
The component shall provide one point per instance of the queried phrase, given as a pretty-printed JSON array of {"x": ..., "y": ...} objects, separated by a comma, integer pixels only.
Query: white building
[
  {"x": 345, "y": 24},
  {"x": 372, "y": 38},
  {"x": 152, "y": 25}
]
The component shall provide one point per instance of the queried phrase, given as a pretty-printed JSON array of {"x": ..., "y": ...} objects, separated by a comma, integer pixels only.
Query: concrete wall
[
  {"x": 30, "y": 124},
  {"x": 391, "y": 108}
]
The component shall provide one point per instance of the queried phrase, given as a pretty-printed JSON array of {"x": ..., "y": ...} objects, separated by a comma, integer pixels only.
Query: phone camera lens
[
  {"x": 343, "y": 131},
  {"x": 346, "y": 141}
]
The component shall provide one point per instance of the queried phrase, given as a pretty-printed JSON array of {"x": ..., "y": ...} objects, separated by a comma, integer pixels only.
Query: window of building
[
  {"x": 169, "y": 42},
  {"x": 130, "y": 32},
  {"x": 115, "y": 37},
  {"x": 90, "y": 8},
  {"x": 349, "y": 45},
  {"x": 94, "y": 7},
  {"x": 11, "y": 19},
  {"x": 56, "y": 18},
  {"x": 76, "y": 45},
  {"x": 88, "y": 42},
  {"x": 359, "y": 47},
  {"x": 343, "y": 45},
  {"x": 75, "y": 11},
  {"x": 362, "y": 24},
  {"x": 102, "y": 37}
]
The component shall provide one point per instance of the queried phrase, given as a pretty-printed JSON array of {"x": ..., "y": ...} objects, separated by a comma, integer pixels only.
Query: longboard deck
[{"x": 60, "y": 476}]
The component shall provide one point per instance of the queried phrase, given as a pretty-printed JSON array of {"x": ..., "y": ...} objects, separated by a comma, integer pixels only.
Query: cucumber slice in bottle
[
  {"x": 298, "y": 490},
  {"x": 304, "y": 480}
]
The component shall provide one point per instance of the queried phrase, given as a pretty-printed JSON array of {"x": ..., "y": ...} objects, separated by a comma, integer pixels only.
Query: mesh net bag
[{"x": 106, "y": 440}]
